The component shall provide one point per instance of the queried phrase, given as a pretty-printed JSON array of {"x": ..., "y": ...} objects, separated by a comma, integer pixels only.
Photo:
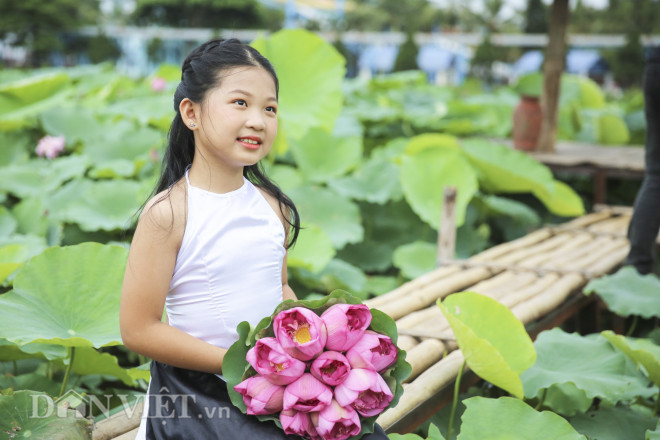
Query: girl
[{"x": 210, "y": 247}]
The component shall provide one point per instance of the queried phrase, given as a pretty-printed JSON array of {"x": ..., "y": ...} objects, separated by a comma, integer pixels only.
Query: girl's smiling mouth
[{"x": 250, "y": 142}]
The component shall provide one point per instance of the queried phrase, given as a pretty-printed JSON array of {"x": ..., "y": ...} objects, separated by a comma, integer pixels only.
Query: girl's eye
[
  {"x": 240, "y": 102},
  {"x": 271, "y": 109}
]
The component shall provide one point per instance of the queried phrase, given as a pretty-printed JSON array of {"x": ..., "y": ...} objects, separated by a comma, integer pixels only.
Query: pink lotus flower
[
  {"x": 261, "y": 396},
  {"x": 373, "y": 351},
  {"x": 270, "y": 360},
  {"x": 364, "y": 390},
  {"x": 346, "y": 324},
  {"x": 300, "y": 332},
  {"x": 298, "y": 423},
  {"x": 307, "y": 394},
  {"x": 331, "y": 368},
  {"x": 158, "y": 84},
  {"x": 336, "y": 422},
  {"x": 50, "y": 146}
]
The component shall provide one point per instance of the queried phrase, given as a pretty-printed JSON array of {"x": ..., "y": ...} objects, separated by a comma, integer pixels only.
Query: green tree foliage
[
  {"x": 627, "y": 63},
  {"x": 484, "y": 56},
  {"x": 536, "y": 19},
  {"x": 395, "y": 15},
  {"x": 36, "y": 24},
  {"x": 643, "y": 16},
  {"x": 230, "y": 14},
  {"x": 406, "y": 58}
]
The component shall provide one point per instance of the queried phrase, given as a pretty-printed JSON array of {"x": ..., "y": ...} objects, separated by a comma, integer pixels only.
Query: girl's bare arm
[{"x": 151, "y": 262}]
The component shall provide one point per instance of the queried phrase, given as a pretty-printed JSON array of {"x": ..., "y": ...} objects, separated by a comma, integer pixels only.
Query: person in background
[{"x": 645, "y": 222}]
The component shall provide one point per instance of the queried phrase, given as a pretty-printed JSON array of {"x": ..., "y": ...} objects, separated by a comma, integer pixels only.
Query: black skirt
[{"x": 193, "y": 405}]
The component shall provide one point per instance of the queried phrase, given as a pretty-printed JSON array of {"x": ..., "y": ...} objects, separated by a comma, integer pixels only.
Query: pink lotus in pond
[
  {"x": 261, "y": 396},
  {"x": 331, "y": 368},
  {"x": 373, "y": 351},
  {"x": 50, "y": 146},
  {"x": 300, "y": 332},
  {"x": 158, "y": 84},
  {"x": 364, "y": 390},
  {"x": 346, "y": 323},
  {"x": 307, "y": 394},
  {"x": 270, "y": 360},
  {"x": 336, "y": 422}
]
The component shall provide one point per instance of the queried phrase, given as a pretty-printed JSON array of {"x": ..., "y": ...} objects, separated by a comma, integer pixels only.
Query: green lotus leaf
[
  {"x": 376, "y": 181},
  {"x": 29, "y": 90},
  {"x": 106, "y": 205},
  {"x": 55, "y": 302},
  {"x": 30, "y": 381},
  {"x": 32, "y": 216},
  {"x": 590, "y": 363},
  {"x": 40, "y": 176},
  {"x": 26, "y": 116},
  {"x": 87, "y": 360},
  {"x": 313, "y": 249},
  {"x": 370, "y": 256},
  {"x": 494, "y": 342},
  {"x": 642, "y": 351},
  {"x": 339, "y": 274},
  {"x": 34, "y": 244},
  {"x": 503, "y": 169},
  {"x": 286, "y": 177},
  {"x": 74, "y": 123},
  {"x": 12, "y": 257},
  {"x": 317, "y": 70},
  {"x": 113, "y": 169},
  {"x": 415, "y": 259},
  {"x": 144, "y": 109},
  {"x": 614, "y": 423},
  {"x": 320, "y": 156},
  {"x": 13, "y": 352},
  {"x": 8, "y": 223},
  {"x": 15, "y": 147},
  {"x": 626, "y": 292},
  {"x": 378, "y": 285},
  {"x": 338, "y": 217},
  {"x": 655, "y": 434},
  {"x": 562, "y": 200},
  {"x": 511, "y": 419},
  {"x": 426, "y": 174},
  {"x": 530, "y": 84},
  {"x": 431, "y": 141},
  {"x": 33, "y": 415},
  {"x": 566, "y": 399},
  {"x": 591, "y": 95},
  {"x": 612, "y": 130}
]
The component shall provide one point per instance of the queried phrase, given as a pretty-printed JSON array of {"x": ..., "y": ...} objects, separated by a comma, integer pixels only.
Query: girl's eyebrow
[{"x": 272, "y": 98}]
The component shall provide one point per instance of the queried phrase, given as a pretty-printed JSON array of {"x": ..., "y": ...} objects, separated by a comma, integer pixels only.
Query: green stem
[
  {"x": 15, "y": 368},
  {"x": 454, "y": 404},
  {"x": 632, "y": 325},
  {"x": 542, "y": 400},
  {"x": 67, "y": 373},
  {"x": 656, "y": 410}
]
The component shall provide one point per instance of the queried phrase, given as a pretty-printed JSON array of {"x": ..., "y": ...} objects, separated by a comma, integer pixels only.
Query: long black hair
[{"x": 200, "y": 72}]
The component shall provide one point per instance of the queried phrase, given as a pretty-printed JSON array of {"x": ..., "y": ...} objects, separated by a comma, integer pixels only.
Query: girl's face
[{"x": 238, "y": 118}]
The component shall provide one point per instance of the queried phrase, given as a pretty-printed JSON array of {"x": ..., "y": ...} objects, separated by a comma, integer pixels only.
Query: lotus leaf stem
[
  {"x": 541, "y": 400},
  {"x": 633, "y": 325},
  {"x": 67, "y": 373},
  {"x": 454, "y": 404}
]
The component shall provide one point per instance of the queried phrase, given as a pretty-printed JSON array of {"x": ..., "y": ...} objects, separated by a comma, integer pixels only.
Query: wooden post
[
  {"x": 553, "y": 67},
  {"x": 447, "y": 230}
]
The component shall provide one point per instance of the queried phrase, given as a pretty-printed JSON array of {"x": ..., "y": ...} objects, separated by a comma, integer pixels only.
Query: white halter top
[{"x": 229, "y": 266}]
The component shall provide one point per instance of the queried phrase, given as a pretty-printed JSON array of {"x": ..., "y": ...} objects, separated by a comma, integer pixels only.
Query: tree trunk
[{"x": 555, "y": 55}]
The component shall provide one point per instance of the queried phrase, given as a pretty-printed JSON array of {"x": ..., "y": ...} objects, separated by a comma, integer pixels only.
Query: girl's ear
[{"x": 188, "y": 110}]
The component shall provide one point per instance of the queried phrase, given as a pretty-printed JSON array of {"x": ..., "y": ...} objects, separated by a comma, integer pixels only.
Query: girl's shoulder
[
  {"x": 166, "y": 211},
  {"x": 275, "y": 204}
]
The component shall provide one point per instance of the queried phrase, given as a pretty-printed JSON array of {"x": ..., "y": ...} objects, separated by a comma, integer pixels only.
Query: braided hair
[{"x": 199, "y": 74}]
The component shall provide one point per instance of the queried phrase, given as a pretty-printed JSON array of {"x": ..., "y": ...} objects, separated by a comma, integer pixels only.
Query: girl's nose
[{"x": 255, "y": 121}]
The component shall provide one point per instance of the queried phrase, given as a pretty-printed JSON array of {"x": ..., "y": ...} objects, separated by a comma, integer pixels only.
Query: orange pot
[{"x": 527, "y": 118}]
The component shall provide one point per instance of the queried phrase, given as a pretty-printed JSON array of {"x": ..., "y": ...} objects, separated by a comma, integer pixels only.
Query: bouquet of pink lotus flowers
[{"x": 320, "y": 369}]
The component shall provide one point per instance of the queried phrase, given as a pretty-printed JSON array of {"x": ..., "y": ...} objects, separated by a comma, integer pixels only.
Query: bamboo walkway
[
  {"x": 536, "y": 276},
  {"x": 539, "y": 277}
]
